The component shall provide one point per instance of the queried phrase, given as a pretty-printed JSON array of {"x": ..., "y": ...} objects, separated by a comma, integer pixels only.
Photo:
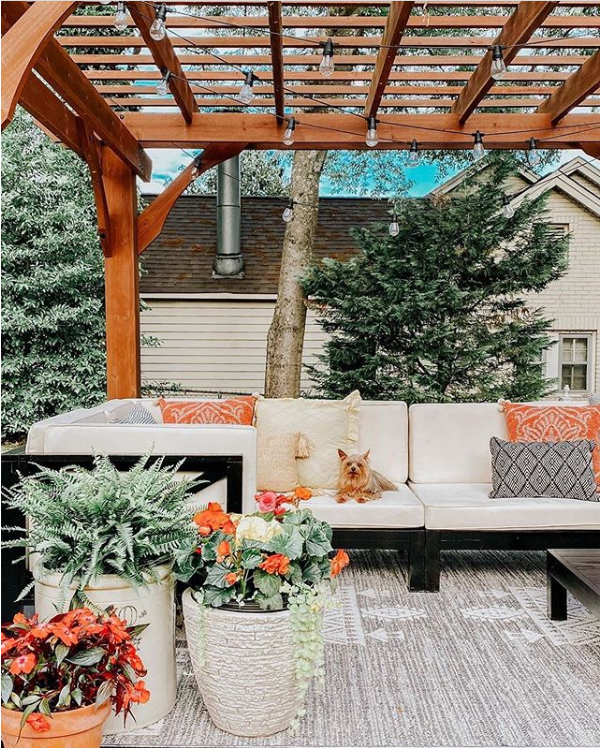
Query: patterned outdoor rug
[{"x": 478, "y": 664}]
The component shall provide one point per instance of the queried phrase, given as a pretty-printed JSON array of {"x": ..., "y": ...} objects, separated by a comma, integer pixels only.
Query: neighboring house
[{"x": 214, "y": 330}]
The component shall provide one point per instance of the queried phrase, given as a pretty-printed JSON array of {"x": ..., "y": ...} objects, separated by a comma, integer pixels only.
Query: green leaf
[
  {"x": 7, "y": 686},
  {"x": 64, "y": 697},
  {"x": 77, "y": 696},
  {"x": 27, "y": 712},
  {"x": 45, "y": 708},
  {"x": 312, "y": 572},
  {"x": 104, "y": 693},
  {"x": 251, "y": 558},
  {"x": 216, "y": 576},
  {"x": 317, "y": 543},
  {"x": 268, "y": 585},
  {"x": 289, "y": 543},
  {"x": 273, "y": 603},
  {"x": 218, "y": 596},
  {"x": 130, "y": 673},
  {"x": 61, "y": 651},
  {"x": 295, "y": 573},
  {"x": 87, "y": 657},
  {"x": 15, "y": 699}
]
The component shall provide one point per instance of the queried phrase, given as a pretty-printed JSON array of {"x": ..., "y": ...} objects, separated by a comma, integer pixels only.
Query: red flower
[
  {"x": 20, "y": 619},
  {"x": 118, "y": 628},
  {"x": 38, "y": 722},
  {"x": 23, "y": 664},
  {"x": 267, "y": 501},
  {"x": 276, "y": 564},
  {"x": 40, "y": 633},
  {"x": 228, "y": 528},
  {"x": 130, "y": 656},
  {"x": 64, "y": 634}
]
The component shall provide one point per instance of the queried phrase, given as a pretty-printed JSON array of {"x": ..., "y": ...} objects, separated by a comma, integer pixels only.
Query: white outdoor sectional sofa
[{"x": 437, "y": 454}]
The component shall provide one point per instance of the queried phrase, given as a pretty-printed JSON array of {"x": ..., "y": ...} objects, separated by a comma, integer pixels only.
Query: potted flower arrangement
[
  {"x": 61, "y": 679},
  {"x": 106, "y": 537},
  {"x": 254, "y": 612}
]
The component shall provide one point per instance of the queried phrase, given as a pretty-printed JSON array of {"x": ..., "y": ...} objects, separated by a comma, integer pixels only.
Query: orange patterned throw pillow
[
  {"x": 554, "y": 424},
  {"x": 238, "y": 410}
]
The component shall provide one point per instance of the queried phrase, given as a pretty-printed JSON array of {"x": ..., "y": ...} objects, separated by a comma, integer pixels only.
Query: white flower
[{"x": 256, "y": 529}]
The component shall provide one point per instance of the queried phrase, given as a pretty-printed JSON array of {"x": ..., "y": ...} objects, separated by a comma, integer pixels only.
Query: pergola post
[{"x": 121, "y": 279}]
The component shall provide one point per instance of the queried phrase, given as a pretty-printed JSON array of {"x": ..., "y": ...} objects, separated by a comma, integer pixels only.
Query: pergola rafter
[{"x": 85, "y": 91}]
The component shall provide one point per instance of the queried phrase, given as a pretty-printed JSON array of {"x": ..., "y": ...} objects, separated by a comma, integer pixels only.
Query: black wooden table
[
  {"x": 576, "y": 571},
  {"x": 17, "y": 463}
]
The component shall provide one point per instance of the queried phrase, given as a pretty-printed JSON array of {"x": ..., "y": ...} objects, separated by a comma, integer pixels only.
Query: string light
[
  {"x": 288, "y": 213},
  {"x": 498, "y": 64},
  {"x": 327, "y": 65},
  {"x": 163, "y": 87},
  {"x": 478, "y": 147},
  {"x": 507, "y": 210},
  {"x": 394, "y": 228},
  {"x": 121, "y": 20},
  {"x": 246, "y": 93},
  {"x": 533, "y": 155},
  {"x": 158, "y": 29},
  {"x": 371, "y": 140},
  {"x": 104, "y": 2},
  {"x": 288, "y": 136},
  {"x": 414, "y": 157}
]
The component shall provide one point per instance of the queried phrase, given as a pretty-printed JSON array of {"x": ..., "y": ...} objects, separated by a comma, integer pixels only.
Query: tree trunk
[{"x": 286, "y": 333}]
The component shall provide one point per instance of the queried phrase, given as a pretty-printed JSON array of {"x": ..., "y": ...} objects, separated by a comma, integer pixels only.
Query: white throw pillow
[{"x": 327, "y": 425}]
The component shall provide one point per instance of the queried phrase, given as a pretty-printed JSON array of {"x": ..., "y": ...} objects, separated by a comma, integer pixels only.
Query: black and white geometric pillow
[
  {"x": 139, "y": 414},
  {"x": 543, "y": 469}
]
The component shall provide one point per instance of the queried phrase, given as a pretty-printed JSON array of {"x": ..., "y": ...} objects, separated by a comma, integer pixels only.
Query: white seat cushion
[
  {"x": 468, "y": 507},
  {"x": 399, "y": 509}
]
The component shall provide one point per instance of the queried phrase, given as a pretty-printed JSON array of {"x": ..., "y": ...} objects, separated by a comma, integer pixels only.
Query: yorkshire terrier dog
[{"x": 357, "y": 480}]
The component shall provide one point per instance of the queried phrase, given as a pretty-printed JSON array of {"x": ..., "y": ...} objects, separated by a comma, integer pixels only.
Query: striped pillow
[{"x": 139, "y": 414}]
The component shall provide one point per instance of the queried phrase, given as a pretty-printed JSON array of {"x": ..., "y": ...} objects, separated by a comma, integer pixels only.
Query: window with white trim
[{"x": 575, "y": 361}]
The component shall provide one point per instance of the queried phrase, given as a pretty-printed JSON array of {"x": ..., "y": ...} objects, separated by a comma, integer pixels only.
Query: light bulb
[
  {"x": 327, "y": 65},
  {"x": 533, "y": 156},
  {"x": 158, "y": 29},
  {"x": 163, "y": 87},
  {"x": 372, "y": 139},
  {"x": 394, "y": 229},
  {"x": 121, "y": 19},
  {"x": 104, "y": 2},
  {"x": 478, "y": 147},
  {"x": 196, "y": 167},
  {"x": 507, "y": 210},
  {"x": 288, "y": 136},
  {"x": 498, "y": 65},
  {"x": 246, "y": 93},
  {"x": 414, "y": 157},
  {"x": 288, "y": 213}
]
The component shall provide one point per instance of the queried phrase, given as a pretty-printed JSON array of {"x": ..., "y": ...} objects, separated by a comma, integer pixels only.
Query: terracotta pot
[
  {"x": 153, "y": 605},
  {"x": 74, "y": 728}
]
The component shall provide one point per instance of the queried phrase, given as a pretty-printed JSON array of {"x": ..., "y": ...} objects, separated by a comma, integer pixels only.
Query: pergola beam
[
  {"x": 164, "y": 55},
  {"x": 22, "y": 45},
  {"x": 93, "y": 156},
  {"x": 59, "y": 70},
  {"x": 275, "y": 30},
  {"x": 151, "y": 221},
  {"x": 574, "y": 90},
  {"x": 524, "y": 21},
  {"x": 397, "y": 19},
  {"x": 346, "y": 131}
]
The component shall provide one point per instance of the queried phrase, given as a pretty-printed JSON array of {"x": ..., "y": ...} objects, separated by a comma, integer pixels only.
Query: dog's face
[{"x": 355, "y": 466}]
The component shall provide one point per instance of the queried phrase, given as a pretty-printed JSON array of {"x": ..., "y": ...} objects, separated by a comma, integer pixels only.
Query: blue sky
[{"x": 166, "y": 163}]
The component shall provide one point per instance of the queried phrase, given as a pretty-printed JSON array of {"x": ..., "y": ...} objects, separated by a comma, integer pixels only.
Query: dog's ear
[
  {"x": 342, "y": 454},
  {"x": 366, "y": 455}
]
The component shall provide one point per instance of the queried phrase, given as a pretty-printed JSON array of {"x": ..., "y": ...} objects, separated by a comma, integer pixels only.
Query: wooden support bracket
[{"x": 92, "y": 154}]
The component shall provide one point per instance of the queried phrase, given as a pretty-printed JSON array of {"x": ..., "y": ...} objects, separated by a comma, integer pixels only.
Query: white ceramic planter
[
  {"x": 155, "y": 606},
  {"x": 244, "y": 667}
]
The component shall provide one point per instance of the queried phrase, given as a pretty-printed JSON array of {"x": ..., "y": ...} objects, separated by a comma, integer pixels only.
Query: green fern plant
[{"x": 85, "y": 523}]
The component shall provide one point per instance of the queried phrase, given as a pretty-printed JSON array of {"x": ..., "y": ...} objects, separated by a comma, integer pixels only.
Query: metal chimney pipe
[{"x": 229, "y": 261}]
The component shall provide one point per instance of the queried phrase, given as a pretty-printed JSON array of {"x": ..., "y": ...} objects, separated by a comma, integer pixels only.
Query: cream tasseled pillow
[
  {"x": 327, "y": 426},
  {"x": 276, "y": 468}
]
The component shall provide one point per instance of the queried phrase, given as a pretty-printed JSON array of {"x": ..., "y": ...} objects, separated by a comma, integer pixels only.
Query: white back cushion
[{"x": 383, "y": 429}]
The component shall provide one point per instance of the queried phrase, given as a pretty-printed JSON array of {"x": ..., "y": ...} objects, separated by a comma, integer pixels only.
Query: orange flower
[
  {"x": 214, "y": 518},
  {"x": 40, "y": 633},
  {"x": 38, "y": 722},
  {"x": 276, "y": 564},
  {"x": 64, "y": 634},
  {"x": 231, "y": 578},
  {"x": 339, "y": 561},
  {"x": 134, "y": 659},
  {"x": 139, "y": 693},
  {"x": 7, "y": 643},
  {"x": 118, "y": 628},
  {"x": 23, "y": 664},
  {"x": 223, "y": 550},
  {"x": 20, "y": 619},
  {"x": 301, "y": 492}
]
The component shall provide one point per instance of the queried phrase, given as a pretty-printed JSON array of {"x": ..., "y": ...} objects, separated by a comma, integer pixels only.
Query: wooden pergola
[{"x": 422, "y": 70}]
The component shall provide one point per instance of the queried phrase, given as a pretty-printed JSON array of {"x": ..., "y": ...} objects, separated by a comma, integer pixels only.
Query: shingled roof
[{"x": 180, "y": 260}]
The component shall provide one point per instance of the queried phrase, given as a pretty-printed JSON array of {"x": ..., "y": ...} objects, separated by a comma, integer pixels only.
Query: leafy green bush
[
  {"x": 86, "y": 523},
  {"x": 53, "y": 356}
]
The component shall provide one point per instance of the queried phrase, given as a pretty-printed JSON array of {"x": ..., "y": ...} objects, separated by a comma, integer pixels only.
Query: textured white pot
[
  {"x": 153, "y": 605},
  {"x": 244, "y": 666}
]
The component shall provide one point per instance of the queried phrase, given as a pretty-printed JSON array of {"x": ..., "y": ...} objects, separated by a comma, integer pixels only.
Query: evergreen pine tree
[{"x": 437, "y": 313}]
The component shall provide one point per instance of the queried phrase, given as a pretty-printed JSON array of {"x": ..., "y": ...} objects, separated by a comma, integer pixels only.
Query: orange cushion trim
[
  {"x": 238, "y": 410},
  {"x": 555, "y": 424}
]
